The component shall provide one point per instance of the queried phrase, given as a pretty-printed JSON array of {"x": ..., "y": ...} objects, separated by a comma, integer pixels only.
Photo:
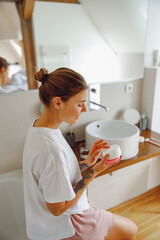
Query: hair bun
[{"x": 41, "y": 76}]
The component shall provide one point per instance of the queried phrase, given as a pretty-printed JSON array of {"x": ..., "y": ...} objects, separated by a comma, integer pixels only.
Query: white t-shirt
[{"x": 50, "y": 169}]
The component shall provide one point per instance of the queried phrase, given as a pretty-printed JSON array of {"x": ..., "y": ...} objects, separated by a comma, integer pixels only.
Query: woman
[
  {"x": 56, "y": 204},
  {"x": 3, "y": 74},
  {"x": 17, "y": 82}
]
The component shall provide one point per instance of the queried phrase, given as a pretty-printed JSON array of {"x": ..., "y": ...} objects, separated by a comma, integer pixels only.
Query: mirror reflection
[
  {"x": 13, "y": 76},
  {"x": 104, "y": 40},
  {"x": 12, "y": 63}
]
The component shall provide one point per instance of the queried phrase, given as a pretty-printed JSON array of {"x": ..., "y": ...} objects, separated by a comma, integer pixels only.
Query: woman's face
[
  {"x": 71, "y": 110},
  {"x": 3, "y": 76}
]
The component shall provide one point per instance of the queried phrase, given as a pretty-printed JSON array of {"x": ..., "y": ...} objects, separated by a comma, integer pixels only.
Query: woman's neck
[{"x": 48, "y": 119}]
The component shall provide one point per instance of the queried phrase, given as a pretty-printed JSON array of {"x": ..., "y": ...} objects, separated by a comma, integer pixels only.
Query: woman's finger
[
  {"x": 98, "y": 142},
  {"x": 95, "y": 153},
  {"x": 99, "y": 145},
  {"x": 106, "y": 157},
  {"x": 102, "y": 146}
]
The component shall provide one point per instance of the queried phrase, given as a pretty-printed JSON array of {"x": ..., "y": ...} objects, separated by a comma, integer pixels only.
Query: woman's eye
[{"x": 79, "y": 105}]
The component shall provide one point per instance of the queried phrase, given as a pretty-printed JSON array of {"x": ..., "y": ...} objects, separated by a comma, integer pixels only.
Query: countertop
[{"x": 146, "y": 150}]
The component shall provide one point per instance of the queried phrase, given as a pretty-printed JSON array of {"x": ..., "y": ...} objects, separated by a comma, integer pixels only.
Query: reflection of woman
[
  {"x": 55, "y": 185},
  {"x": 17, "y": 82},
  {"x": 3, "y": 74}
]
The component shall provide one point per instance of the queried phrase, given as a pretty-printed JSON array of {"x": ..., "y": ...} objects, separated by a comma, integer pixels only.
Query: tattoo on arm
[
  {"x": 81, "y": 183},
  {"x": 83, "y": 166}
]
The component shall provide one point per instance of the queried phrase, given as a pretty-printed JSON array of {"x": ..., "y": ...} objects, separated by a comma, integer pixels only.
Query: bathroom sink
[{"x": 118, "y": 132}]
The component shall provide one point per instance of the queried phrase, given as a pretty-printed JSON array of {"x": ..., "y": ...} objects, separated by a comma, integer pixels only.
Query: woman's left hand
[{"x": 95, "y": 151}]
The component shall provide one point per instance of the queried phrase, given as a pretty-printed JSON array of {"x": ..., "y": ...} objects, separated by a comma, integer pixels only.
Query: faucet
[
  {"x": 106, "y": 108},
  {"x": 94, "y": 97}
]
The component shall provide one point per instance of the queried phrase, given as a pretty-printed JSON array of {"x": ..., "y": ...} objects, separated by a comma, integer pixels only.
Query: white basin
[{"x": 118, "y": 132}]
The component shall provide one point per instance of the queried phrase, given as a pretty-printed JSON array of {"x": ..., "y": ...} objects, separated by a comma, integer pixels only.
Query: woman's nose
[{"x": 84, "y": 109}]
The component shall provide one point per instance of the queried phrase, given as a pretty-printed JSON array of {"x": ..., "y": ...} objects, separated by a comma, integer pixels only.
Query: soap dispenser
[{"x": 143, "y": 122}]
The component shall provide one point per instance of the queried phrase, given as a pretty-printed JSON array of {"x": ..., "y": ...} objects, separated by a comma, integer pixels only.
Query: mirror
[
  {"x": 104, "y": 40},
  {"x": 15, "y": 75},
  {"x": 11, "y": 49}
]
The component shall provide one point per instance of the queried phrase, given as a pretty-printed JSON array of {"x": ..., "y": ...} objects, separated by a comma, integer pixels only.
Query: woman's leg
[{"x": 122, "y": 229}]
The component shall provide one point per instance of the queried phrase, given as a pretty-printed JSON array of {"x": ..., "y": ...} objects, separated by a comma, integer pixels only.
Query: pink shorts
[{"x": 93, "y": 224}]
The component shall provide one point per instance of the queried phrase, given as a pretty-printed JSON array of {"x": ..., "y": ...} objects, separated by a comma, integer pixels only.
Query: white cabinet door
[
  {"x": 110, "y": 190},
  {"x": 154, "y": 172}
]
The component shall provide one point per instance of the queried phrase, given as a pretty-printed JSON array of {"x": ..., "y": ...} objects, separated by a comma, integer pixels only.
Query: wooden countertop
[{"x": 146, "y": 151}]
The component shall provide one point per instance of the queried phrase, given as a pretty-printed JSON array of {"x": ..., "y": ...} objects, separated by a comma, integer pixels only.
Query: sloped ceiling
[
  {"x": 9, "y": 52},
  {"x": 121, "y": 23},
  {"x": 9, "y": 21}
]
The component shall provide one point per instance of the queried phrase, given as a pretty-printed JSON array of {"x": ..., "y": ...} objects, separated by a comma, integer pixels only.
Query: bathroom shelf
[{"x": 146, "y": 151}]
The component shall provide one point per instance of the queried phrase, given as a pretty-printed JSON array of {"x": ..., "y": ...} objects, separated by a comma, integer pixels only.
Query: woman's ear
[{"x": 56, "y": 102}]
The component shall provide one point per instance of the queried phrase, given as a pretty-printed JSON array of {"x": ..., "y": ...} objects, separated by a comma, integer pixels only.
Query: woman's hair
[
  {"x": 63, "y": 83},
  {"x": 3, "y": 63}
]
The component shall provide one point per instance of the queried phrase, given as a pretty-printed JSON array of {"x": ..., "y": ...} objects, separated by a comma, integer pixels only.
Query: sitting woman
[{"x": 56, "y": 203}]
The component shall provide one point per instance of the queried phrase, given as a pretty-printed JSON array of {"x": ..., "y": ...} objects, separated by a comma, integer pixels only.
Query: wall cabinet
[{"x": 110, "y": 190}]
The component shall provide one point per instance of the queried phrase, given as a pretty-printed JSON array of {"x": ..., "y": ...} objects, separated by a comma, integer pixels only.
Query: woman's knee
[
  {"x": 133, "y": 230},
  {"x": 129, "y": 228},
  {"x": 123, "y": 228}
]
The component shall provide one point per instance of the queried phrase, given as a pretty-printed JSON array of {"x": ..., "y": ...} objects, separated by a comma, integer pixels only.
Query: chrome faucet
[
  {"x": 94, "y": 97},
  {"x": 106, "y": 108}
]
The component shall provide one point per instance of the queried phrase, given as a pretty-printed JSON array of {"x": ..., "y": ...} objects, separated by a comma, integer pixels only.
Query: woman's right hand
[{"x": 102, "y": 165}]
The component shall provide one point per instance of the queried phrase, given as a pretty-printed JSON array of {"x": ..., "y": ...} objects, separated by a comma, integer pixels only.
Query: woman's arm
[
  {"x": 83, "y": 166},
  {"x": 59, "y": 208}
]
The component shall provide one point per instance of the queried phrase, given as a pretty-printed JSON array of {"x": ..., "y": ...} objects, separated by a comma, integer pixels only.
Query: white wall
[
  {"x": 151, "y": 95},
  {"x": 153, "y": 33},
  {"x": 19, "y": 110},
  {"x": 9, "y": 21}
]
